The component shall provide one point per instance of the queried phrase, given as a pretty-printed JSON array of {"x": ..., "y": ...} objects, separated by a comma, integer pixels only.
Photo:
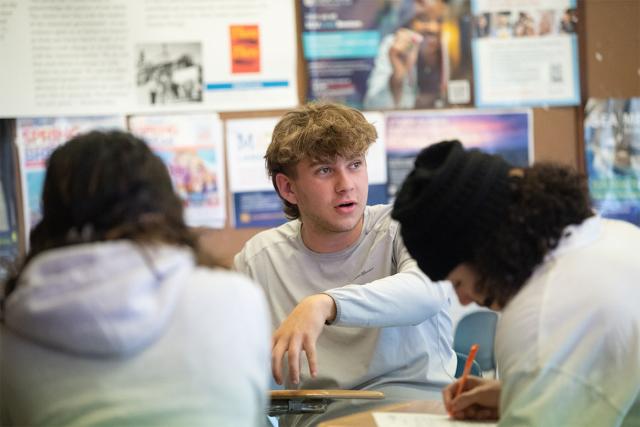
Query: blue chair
[
  {"x": 462, "y": 360},
  {"x": 478, "y": 327}
]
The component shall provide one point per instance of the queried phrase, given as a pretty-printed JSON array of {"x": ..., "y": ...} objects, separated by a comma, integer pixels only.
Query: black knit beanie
[{"x": 451, "y": 201}]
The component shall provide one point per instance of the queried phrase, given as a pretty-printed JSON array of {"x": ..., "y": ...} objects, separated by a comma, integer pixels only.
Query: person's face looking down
[{"x": 465, "y": 278}]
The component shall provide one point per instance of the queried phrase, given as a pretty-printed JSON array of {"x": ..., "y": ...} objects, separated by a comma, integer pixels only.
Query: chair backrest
[
  {"x": 478, "y": 327},
  {"x": 462, "y": 360}
]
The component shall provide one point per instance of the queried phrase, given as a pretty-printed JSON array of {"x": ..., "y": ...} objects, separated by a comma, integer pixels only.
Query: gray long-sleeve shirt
[{"x": 394, "y": 321}]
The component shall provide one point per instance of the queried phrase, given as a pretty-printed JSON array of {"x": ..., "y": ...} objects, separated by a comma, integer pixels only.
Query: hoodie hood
[{"x": 106, "y": 299}]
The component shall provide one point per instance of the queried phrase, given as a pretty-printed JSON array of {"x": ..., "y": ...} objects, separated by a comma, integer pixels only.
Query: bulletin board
[
  {"x": 608, "y": 38},
  {"x": 557, "y": 132}
]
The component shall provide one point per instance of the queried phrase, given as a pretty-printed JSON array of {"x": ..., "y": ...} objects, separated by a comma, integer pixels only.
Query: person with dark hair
[
  {"x": 343, "y": 263},
  {"x": 115, "y": 317},
  {"x": 526, "y": 241}
]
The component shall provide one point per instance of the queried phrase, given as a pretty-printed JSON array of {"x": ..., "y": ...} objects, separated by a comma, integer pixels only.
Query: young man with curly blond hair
[{"x": 341, "y": 263}]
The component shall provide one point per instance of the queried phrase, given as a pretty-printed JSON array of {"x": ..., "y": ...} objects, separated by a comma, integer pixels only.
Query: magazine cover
[
  {"x": 612, "y": 149},
  {"x": 191, "y": 146},
  {"x": 392, "y": 54}
]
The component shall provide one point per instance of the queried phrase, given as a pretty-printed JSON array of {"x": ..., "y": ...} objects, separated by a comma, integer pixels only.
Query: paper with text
[{"x": 396, "y": 419}]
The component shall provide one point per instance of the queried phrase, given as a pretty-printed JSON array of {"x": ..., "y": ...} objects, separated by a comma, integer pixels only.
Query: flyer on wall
[
  {"x": 525, "y": 53},
  {"x": 508, "y": 133},
  {"x": 254, "y": 200},
  {"x": 101, "y": 57},
  {"x": 9, "y": 248},
  {"x": 36, "y": 138},
  {"x": 379, "y": 55},
  {"x": 191, "y": 146},
  {"x": 612, "y": 149}
]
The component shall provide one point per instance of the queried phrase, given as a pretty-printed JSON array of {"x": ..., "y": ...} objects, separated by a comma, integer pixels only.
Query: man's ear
[{"x": 285, "y": 188}]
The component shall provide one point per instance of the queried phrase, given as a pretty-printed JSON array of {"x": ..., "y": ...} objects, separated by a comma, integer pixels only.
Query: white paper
[
  {"x": 247, "y": 142},
  {"x": 401, "y": 419},
  {"x": 377, "y": 154},
  {"x": 525, "y": 53},
  {"x": 97, "y": 57},
  {"x": 191, "y": 146}
]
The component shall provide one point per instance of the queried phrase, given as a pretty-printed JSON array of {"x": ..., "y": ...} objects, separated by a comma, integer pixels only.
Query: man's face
[{"x": 331, "y": 196}]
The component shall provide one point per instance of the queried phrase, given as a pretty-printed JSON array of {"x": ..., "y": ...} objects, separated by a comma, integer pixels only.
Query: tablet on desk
[
  {"x": 313, "y": 401},
  {"x": 326, "y": 394}
]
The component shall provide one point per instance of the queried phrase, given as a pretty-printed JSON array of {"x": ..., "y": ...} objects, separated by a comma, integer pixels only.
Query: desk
[{"x": 365, "y": 419}]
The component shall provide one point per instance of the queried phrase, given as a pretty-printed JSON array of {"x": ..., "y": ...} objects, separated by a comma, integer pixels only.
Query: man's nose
[{"x": 344, "y": 181}]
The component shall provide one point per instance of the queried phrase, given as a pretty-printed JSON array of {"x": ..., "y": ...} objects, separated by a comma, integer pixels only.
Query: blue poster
[
  {"x": 388, "y": 54},
  {"x": 612, "y": 149},
  {"x": 507, "y": 133}
]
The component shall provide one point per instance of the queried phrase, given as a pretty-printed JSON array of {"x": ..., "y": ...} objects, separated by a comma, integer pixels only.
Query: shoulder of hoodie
[{"x": 226, "y": 285}]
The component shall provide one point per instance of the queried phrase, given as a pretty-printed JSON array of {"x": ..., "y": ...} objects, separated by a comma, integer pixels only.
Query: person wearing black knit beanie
[
  {"x": 527, "y": 242},
  {"x": 451, "y": 199}
]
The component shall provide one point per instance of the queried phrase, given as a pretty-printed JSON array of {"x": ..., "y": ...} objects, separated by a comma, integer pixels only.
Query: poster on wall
[
  {"x": 254, "y": 203},
  {"x": 254, "y": 200},
  {"x": 9, "y": 249},
  {"x": 612, "y": 149},
  {"x": 508, "y": 133},
  {"x": 525, "y": 53},
  {"x": 36, "y": 138},
  {"x": 191, "y": 146},
  {"x": 382, "y": 55},
  {"x": 100, "y": 57}
]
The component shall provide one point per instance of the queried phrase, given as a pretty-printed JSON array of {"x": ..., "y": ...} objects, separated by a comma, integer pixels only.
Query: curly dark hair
[
  {"x": 103, "y": 186},
  {"x": 545, "y": 200}
]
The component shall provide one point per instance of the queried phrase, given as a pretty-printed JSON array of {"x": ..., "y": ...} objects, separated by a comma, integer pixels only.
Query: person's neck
[{"x": 324, "y": 241}]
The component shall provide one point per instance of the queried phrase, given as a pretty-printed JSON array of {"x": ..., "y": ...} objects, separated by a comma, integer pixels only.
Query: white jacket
[
  {"x": 568, "y": 344},
  {"x": 114, "y": 334}
]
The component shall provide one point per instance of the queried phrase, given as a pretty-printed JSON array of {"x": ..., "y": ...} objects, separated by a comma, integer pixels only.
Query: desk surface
[{"x": 365, "y": 419}]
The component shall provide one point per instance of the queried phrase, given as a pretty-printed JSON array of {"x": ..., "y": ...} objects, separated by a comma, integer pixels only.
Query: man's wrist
[{"x": 328, "y": 305}]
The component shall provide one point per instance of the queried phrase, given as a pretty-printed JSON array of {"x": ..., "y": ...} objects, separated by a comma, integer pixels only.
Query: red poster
[{"x": 245, "y": 48}]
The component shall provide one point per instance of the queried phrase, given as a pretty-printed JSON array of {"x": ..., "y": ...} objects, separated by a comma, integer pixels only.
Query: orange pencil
[{"x": 467, "y": 368}]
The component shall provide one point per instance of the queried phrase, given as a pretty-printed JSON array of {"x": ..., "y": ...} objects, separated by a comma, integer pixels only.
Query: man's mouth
[{"x": 346, "y": 207}]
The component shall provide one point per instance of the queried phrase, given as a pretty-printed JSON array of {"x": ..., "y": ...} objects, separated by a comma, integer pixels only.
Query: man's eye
[
  {"x": 356, "y": 164},
  {"x": 324, "y": 171}
]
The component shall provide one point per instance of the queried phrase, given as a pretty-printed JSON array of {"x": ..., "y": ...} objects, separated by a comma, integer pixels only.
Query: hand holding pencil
[{"x": 471, "y": 397}]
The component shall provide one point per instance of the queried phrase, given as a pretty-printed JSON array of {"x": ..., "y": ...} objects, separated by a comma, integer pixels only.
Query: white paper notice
[
  {"x": 399, "y": 419},
  {"x": 525, "y": 53},
  {"x": 254, "y": 201},
  {"x": 86, "y": 57}
]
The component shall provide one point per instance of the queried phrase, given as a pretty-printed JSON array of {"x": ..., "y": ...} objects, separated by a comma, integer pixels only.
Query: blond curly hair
[{"x": 320, "y": 131}]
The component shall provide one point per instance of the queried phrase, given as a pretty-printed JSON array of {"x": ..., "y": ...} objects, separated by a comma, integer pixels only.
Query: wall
[{"x": 610, "y": 67}]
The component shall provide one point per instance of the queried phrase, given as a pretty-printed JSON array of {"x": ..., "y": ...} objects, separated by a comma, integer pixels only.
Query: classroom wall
[
  {"x": 609, "y": 39},
  {"x": 609, "y": 42}
]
